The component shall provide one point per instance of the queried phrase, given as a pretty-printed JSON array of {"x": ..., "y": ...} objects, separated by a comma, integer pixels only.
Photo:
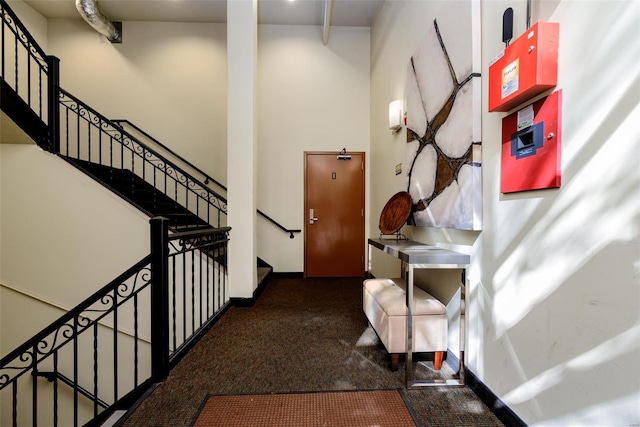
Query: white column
[{"x": 242, "y": 59}]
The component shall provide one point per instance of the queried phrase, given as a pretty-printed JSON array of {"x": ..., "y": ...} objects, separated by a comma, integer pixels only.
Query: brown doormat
[{"x": 386, "y": 408}]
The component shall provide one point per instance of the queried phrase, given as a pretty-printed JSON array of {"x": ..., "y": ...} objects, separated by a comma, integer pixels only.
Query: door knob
[{"x": 312, "y": 219}]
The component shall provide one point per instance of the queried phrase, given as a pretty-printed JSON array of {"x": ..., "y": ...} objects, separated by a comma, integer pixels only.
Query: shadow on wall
[
  {"x": 564, "y": 292},
  {"x": 579, "y": 347}
]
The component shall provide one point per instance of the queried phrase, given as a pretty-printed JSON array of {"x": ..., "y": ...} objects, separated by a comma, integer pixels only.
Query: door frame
[{"x": 363, "y": 202}]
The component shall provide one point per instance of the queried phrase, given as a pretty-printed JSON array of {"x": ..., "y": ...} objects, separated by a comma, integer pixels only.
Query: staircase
[
  {"x": 141, "y": 194},
  {"x": 146, "y": 174},
  {"x": 182, "y": 283}
]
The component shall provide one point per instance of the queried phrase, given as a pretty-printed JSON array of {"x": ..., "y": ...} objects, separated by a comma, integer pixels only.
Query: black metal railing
[
  {"x": 207, "y": 179},
  {"x": 106, "y": 352},
  {"x": 29, "y": 72},
  {"x": 89, "y": 136},
  {"x": 24, "y": 65},
  {"x": 34, "y": 76}
]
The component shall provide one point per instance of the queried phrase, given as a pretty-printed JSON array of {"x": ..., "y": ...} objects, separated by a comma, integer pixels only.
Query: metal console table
[{"x": 415, "y": 255}]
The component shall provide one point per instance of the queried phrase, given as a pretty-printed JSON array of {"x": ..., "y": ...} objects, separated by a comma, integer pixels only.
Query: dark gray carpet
[{"x": 301, "y": 335}]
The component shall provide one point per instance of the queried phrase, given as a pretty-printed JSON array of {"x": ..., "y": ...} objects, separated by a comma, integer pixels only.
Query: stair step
[
  {"x": 114, "y": 418},
  {"x": 141, "y": 194}
]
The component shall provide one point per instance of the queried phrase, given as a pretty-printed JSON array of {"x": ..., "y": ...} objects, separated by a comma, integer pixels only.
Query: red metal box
[
  {"x": 525, "y": 68},
  {"x": 531, "y": 139}
]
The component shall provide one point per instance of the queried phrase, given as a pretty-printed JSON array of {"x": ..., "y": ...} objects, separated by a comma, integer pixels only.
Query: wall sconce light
[{"x": 395, "y": 115}]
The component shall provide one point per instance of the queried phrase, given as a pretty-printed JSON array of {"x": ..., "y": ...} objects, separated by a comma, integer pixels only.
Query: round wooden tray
[{"x": 395, "y": 213}]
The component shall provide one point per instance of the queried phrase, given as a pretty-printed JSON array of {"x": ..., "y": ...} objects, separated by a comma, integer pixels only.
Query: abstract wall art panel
[{"x": 443, "y": 121}]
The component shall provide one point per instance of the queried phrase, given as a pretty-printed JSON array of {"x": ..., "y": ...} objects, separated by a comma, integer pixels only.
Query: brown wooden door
[{"x": 333, "y": 215}]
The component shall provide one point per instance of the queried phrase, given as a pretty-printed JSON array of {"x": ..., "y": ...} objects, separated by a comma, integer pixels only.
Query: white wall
[
  {"x": 35, "y": 23},
  {"x": 553, "y": 295},
  {"x": 64, "y": 236},
  {"x": 167, "y": 78},
  {"x": 312, "y": 97}
]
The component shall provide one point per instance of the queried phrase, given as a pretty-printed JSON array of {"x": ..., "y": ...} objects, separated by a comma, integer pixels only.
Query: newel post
[
  {"x": 159, "y": 298},
  {"x": 53, "y": 103}
]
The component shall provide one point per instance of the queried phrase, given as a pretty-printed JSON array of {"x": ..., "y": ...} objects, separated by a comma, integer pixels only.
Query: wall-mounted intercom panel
[
  {"x": 531, "y": 146},
  {"x": 525, "y": 68}
]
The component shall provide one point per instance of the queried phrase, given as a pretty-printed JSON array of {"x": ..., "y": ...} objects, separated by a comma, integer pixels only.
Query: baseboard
[
  {"x": 497, "y": 406},
  {"x": 452, "y": 360},
  {"x": 291, "y": 274},
  {"x": 242, "y": 302}
]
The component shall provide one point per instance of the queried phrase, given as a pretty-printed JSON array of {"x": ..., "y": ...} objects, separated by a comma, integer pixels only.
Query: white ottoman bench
[{"x": 384, "y": 304}]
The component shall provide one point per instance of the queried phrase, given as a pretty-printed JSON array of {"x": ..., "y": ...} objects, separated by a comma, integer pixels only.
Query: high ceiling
[{"x": 285, "y": 12}]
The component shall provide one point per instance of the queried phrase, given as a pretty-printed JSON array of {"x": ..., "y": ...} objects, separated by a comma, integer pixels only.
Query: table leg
[{"x": 409, "y": 359}]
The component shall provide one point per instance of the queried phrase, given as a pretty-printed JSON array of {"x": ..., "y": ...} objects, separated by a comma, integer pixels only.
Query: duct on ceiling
[
  {"x": 328, "y": 11},
  {"x": 91, "y": 13}
]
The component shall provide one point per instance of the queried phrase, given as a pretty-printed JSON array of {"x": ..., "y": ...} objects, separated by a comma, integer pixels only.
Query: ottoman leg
[
  {"x": 395, "y": 358},
  {"x": 437, "y": 360}
]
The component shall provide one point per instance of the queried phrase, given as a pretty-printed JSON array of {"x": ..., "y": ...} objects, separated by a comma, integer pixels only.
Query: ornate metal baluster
[
  {"x": 14, "y": 402},
  {"x": 208, "y": 264},
  {"x": 135, "y": 340},
  {"x": 121, "y": 152},
  {"x": 55, "y": 389},
  {"x": 193, "y": 253},
  {"x": 28, "y": 46},
  {"x": 89, "y": 141},
  {"x": 193, "y": 293},
  {"x": 173, "y": 302},
  {"x": 144, "y": 164},
  {"x": 34, "y": 378},
  {"x": 2, "y": 28},
  {"x": 15, "y": 47},
  {"x": 40, "y": 93},
  {"x": 184, "y": 299},
  {"x": 75, "y": 370},
  {"x": 95, "y": 369},
  {"x": 115, "y": 344},
  {"x": 66, "y": 128}
]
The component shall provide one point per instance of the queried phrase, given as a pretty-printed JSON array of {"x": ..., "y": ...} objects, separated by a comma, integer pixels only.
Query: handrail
[
  {"x": 88, "y": 136},
  {"x": 146, "y": 295},
  {"x": 33, "y": 77},
  {"x": 182, "y": 159},
  {"x": 198, "y": 233},
  {"x": 105, "y": 120},
  {"x": 53, "y": 376},
  {"x": 32, "y": 42},
  {"x": 64, "y": 319},
  {"x": 207, "y": 177},
  {"x": 268, "y": 218}
]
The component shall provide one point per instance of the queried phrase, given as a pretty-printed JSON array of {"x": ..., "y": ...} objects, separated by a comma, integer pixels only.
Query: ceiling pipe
[
  {"x": 328, "y": 11},
  {"x": 91, "y": 13}
]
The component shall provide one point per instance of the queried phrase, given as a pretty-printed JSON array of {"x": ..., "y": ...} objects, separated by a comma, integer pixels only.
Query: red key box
[
  {"x": 531, "y": 146},
  {"x": 525, "y": 68}
]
